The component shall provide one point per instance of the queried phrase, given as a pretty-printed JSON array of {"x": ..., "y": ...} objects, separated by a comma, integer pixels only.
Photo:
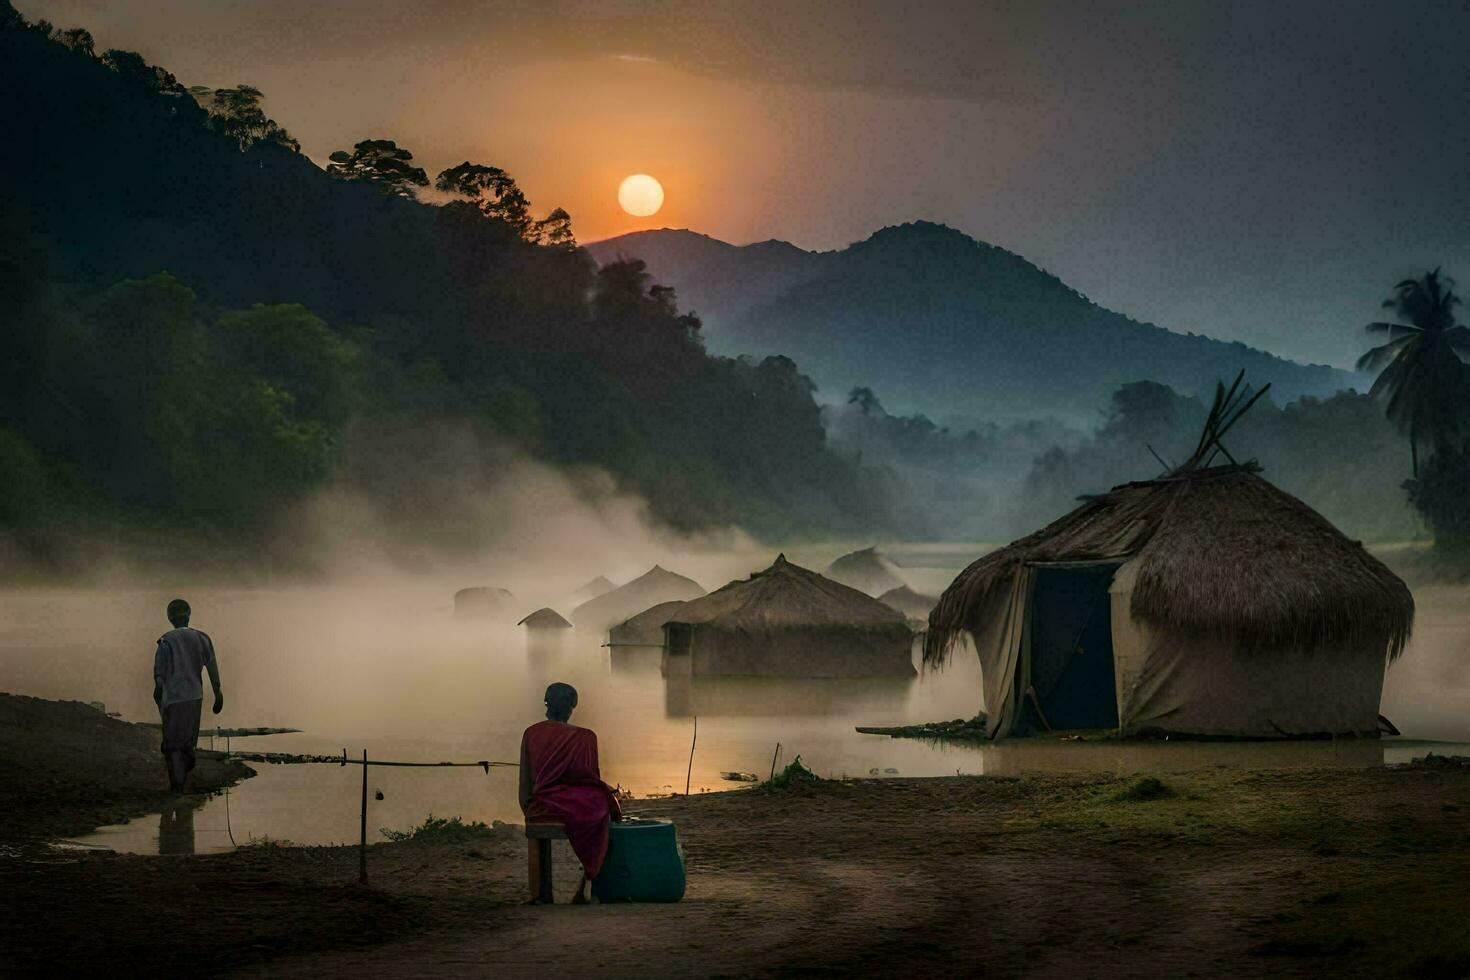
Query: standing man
[{"x": 179, "y": 691}]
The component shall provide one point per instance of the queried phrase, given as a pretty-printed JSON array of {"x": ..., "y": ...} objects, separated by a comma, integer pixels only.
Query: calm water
[{"x": 384, "y": 667}]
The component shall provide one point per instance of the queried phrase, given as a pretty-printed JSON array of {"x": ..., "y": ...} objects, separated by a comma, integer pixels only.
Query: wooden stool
[{"x": 538, "y": 856}]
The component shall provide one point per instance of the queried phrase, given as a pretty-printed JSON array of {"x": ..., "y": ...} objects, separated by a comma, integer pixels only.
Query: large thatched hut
[
  {"x": 1205, "y": 602},
  {"x": 645, "y": 629},
  {"x": 652, "y": 587},
  {"x": 788, "y": 621},
  {"x": 868, "y": 570}
]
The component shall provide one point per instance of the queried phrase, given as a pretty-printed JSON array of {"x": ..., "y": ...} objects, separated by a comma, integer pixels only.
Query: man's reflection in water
[{"x": 176, "y": 828}]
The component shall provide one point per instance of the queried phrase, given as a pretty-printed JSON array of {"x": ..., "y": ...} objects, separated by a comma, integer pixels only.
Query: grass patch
[
  {"x": 441, "y": 830},
  {"x": 1144, "y": 790},
  {"x": 795, "y": 774}
]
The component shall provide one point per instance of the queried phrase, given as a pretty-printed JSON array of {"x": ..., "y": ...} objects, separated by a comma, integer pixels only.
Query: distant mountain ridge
[{"x": 937, "y": 322}]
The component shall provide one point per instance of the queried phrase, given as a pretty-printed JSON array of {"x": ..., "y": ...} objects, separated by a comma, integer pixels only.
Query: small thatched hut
[
  {"x": 483, "y": 602},
  {"x": 645, "y": 629},
  {"x": 788, "y": 621},
  {"x": 545, "y": 618},
  {"x": 601, "y": 585},
  {"x": 867, "y": 571},
  {"x": 1205, "y": 602},
  {"x": 652, "y": 587},
  {"x": 915, "y": 606}
]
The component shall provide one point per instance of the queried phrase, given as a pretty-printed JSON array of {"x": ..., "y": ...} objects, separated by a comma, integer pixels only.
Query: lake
[{"x": 384, "y": 666}]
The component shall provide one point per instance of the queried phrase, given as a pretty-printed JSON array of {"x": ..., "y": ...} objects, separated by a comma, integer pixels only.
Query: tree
[
  {"x": 493, "y": 191},
  {"x": 1421, "y": 375},
  {"x": 131, "y": 66},
  {"x": 555, "y": 230},
  {"x": 495, "y": 195},
  {"x": 866, "y": 400},
  {"x": 380, "y": 162},
  {"x": 236, "y": 113},
  {"x": 77, "y": 39}
]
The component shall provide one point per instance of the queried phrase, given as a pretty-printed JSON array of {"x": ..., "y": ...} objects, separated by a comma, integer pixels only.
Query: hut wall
[
  {"x": 1205, "y": 685},
  {"x": 999, "y": 644},
  {"x": 801, "y": 653}
]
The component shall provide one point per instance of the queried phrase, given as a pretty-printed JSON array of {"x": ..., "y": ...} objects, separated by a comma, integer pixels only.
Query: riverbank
[
  {"x": 67, "y": 768},
  {"x": 1354, "y": 872}
]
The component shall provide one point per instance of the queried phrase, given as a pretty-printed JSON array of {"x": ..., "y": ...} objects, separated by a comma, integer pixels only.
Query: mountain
[{"x": 939, "y": 323}]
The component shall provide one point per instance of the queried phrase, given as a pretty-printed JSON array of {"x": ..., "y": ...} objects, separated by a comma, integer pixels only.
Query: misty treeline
[
  {"x": 201, "y": 329},
  {"x": 1339, "y": 454}
]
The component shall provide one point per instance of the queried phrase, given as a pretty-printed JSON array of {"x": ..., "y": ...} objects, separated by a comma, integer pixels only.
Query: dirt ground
[{"x": 1217, "y": 873}]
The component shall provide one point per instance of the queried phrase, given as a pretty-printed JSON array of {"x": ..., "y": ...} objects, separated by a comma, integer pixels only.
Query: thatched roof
[
  {"x": 645, "y": 629},
  {"x": 914, "y": 605},
  {"x": 1221, "y": 552},
  {"x": 787, "y": 596},
  {"x": 652, "y": 587},
  {"x": 482, "y": 601},
  {"x": 545, "y": 618},
  {"x": 867, "y": 571},
  {"x": 591, "y": 590}
]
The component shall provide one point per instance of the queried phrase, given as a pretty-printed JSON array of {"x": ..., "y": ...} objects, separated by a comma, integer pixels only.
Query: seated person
[{"x": 560, "y": 782}]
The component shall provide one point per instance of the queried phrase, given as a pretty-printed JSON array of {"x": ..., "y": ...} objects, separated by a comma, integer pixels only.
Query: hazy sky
[{"x": 1259, "y": 171}]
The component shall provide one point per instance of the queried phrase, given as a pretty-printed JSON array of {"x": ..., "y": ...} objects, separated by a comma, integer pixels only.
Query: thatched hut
[
  {"x": 652, "y": 587},
  {"x": 483, "y": 602},
  {"x": 788, "y": 621},
  {"x": 601, "y": 585},
  {"x": 868, "y": 570},
  {"x": 1205, "y": 602},
  {"x": 915, "y": 606},
  {"x": 545, "y": 618},
  {"x": 645, "y": 629}
]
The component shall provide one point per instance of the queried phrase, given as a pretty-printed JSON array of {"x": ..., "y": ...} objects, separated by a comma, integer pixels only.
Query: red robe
[{"x": 567, "y": 788}]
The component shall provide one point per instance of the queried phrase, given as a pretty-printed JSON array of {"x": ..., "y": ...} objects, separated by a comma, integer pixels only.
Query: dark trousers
[{"x": 180, "y": 732}]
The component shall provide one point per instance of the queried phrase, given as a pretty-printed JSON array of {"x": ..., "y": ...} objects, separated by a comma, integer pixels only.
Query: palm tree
[{"x": 1421, "y": 374}]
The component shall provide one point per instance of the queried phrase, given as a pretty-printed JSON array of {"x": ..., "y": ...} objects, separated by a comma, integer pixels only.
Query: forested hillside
[
  {"x": 942, "y": 324},
  {"x": 199, "y": 327}
]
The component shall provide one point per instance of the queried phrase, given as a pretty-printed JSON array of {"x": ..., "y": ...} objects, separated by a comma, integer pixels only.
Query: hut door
[{"x": 1071, "y": 655}]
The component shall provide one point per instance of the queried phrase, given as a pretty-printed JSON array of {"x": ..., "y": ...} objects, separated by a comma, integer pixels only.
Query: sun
[{"x": 640, "y": 195}]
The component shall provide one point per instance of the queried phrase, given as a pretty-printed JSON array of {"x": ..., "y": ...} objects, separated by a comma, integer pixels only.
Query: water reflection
[
  {"x": 176, "y": 827},
  {"x": 755, "y": 697}
]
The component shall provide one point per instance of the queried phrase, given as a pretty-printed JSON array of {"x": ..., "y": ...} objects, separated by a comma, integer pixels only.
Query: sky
[{"x": 1255, "y": 171}]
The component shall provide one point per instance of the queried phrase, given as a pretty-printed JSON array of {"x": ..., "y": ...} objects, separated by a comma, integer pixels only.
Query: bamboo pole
[
  {"x": 362, "y": 845},
  {"x": 690, "y": 772}
]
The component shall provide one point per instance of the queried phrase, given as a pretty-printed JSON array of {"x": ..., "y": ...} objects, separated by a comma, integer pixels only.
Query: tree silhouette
[
  {"x": 1421, "y": 374},
  {"x": 380, "y": 162},
  {"x": 493, "y": 191},
  {"x": 131, "y": 66},
  {"x": 236, "y": 113},
  {"x": 77, "y": 39},
  {"x": 555, "y": 230},
  {"x": 866, "y": 400},
  {"x": 495, "y": 195}
]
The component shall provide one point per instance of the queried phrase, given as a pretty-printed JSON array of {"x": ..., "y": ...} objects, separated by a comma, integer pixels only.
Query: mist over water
[
  {"x": 382, "y": 664},
  {"x": 369, "y": 655}
]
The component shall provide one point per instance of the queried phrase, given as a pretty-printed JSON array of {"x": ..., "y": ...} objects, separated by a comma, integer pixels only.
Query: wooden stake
[
  {"x": 773, "y": 762},
  {"x": 692, "y": 744},
  {"x": 362, "y": 845}
]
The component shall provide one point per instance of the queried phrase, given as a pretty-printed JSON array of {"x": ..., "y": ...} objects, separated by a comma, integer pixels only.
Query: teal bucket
[{"x": 644, "y": 863}]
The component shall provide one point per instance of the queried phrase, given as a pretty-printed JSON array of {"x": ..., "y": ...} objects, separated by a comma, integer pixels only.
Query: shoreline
[
  {"x": 69, "y": 770},
  {"x": 1214, "y": 871}
]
